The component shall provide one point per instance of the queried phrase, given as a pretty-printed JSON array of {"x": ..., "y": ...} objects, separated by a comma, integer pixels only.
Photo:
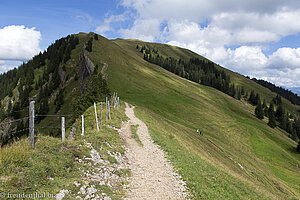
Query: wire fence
[
  {"x": 113, "y": 102},
  {"x": 17, "y": 131},
  {"x": 13, "y": 121}
]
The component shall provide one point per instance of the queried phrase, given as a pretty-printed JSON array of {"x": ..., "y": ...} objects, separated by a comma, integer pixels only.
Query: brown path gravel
[{"x": 152, "y": 175}]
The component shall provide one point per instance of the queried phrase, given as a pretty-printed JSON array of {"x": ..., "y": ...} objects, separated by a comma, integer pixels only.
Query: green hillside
[{"x": 239, "y": 156}]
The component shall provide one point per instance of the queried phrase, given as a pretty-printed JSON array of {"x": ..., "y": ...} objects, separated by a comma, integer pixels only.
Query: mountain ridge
[{"x": 173, "y": 108}]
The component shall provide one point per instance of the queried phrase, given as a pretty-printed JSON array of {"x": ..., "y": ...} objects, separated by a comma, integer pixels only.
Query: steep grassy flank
[
  {"x": 185, "y": 54},
  {"x": 232, "y": 140},
  {"x": 53, "y": 166}
]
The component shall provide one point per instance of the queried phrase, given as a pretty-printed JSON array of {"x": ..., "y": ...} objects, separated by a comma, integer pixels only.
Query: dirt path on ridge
[{"x": 152, "y": 175}]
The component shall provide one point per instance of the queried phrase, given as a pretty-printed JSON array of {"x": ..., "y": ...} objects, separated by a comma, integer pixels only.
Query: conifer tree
[
  {"x": 272, "y": 121},
  {"x": 282, "y": 122},
  {"x": 265, "y": 108},
  {"x": 252, "y": 97},
  {"x": 259, "y": 113},
  {"x": 242, "y": 91},
  {"x": 279, "y": 112},
  {"x": 256, "y": 99}
]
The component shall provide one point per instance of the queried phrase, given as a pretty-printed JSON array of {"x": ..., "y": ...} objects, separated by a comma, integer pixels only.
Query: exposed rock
[
  {"x": 62, "y": 76},
  {"x": 103, "y": 71},
  {"x": 17, "y": 95},
  {"x": 86, "y": 68},
  {"x": 61, "y": 194},
  {"x": 72, "y": 133}
]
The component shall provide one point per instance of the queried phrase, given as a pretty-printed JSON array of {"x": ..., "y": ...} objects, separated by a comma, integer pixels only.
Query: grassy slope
[
  {"x": 239, "y": 154},
  {"x": 51, "y": 166}
]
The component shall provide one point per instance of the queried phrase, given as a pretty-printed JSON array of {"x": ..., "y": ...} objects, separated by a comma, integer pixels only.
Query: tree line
[
  {"x": 197, "y": 70},
  {"x": 287, "y": 94}
]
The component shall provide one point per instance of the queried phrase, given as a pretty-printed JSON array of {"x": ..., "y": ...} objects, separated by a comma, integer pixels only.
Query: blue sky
[{"x": 260, "y": 38}]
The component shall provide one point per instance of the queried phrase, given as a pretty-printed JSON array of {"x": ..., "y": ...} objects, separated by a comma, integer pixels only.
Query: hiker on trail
[
  {"x": 197, "y": 131},
  {"x": 201, "y": 133}
]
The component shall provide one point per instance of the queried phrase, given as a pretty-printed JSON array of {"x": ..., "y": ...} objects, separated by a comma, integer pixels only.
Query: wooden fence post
[
  {"x": 106, "y": 113},
  {"x": 31, "y": 124},
  {"x": 116, "y": 104},
  {"x": 63, "y": 130},
  {"x": 82, "y": 125},
  {"x": 96, "y": 116},
  {"x": 101, "y": 117},
  {"x": 109, "y": 110}
]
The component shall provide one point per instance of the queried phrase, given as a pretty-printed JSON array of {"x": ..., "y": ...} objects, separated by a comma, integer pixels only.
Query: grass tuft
[{"x": 134, "y": 129}]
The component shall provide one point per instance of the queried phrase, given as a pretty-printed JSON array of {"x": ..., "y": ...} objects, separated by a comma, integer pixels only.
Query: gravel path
[{"x": 152, "y": 175}]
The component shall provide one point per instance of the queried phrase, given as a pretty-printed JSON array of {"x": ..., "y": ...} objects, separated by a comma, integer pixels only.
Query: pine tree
[
  {"x": 252, "y": 97},
  {"x": 272, "y": 121},
  {"x": 279, "y": 112},
  {"x": 256, "y": 99},
  {"x": 271, "y": 108},
  {"x": 278, "y": 100},
  {"x": 243, "y": 91},
  {"x": 282, "y": 122},
  {"x": 289, "y": 127},
  {"x": 239, "y": 95},
  {"x": 259, "y": 113},
  {"x": 265, "y": 108}
]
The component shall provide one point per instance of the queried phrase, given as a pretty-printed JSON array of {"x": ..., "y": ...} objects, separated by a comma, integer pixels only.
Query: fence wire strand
[
  {"x": 22, "y": 130},
  {"x": 12, "y": 121}
]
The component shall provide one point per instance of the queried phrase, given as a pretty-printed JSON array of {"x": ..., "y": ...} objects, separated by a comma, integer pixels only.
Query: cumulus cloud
[
  {"x": 232, "y": 33},
  {"x": 102, "y": 29},
  {"x": 147, "y": 30},
  {"x": 19, "y": 43},
  {"x": 107, "y": 26},
  {"x": 8, "y": 65},
  {"x": 285, "y": 58}
]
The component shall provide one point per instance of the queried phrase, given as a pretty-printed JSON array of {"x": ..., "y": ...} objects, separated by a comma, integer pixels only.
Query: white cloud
[
  {"x": 232, "y": 33},
  {"x": 108, "y": 22},
  {"x": 8, "y": 65},
  {"x": 285, "y": 58},
  {"x": 19, "y": 43},
  {"x": 103, "y": 29},
  {"x": 148, "y": 30},
  {"x": 247, "y": 60}
]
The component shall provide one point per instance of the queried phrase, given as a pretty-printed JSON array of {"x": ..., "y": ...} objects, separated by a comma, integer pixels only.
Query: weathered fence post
[
  {"x": 101, "y": 117},
  {"x": 31, "y": 124},
  {"x": 63, "y": 130},
  {"x": 106, "y": 110},
  {"x": 109, "y": 110},
  {"x": 116, "y": 104},
  {"x": 82, "y": 125},
  {"x": 96, "y": 116}
]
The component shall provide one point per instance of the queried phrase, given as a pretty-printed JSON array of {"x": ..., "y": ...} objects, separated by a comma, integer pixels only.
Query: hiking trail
[{"x": 152, "y": 175}]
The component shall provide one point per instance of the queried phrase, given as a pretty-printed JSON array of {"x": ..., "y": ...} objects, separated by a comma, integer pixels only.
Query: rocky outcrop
[{"x": 86, "y": 68}]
